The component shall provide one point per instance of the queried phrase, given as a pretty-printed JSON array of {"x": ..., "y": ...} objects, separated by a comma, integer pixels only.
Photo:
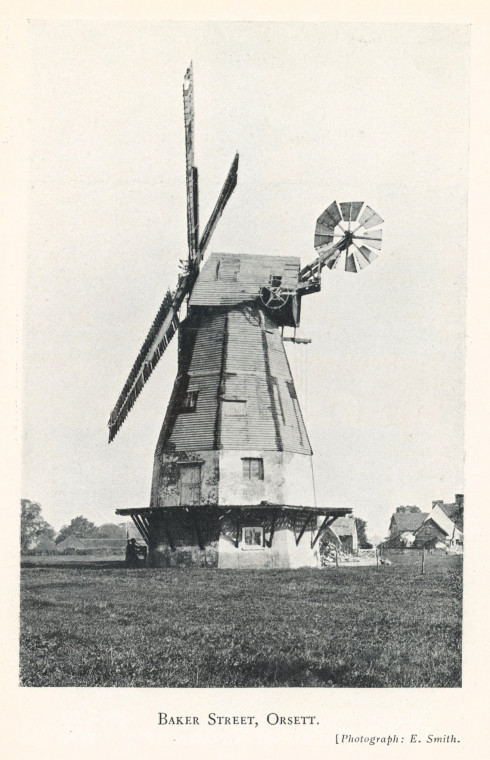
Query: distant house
[
  {"x": 443, "y": 527},
  {"x": 404, "y": 524},
  {"x": 345, "y": 529},
  {"x": 76, "y": 545},
  {"x": 70, "y": 545}
]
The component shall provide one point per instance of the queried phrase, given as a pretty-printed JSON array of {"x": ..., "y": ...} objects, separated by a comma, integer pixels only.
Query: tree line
[{"x": 33, "y": 527}]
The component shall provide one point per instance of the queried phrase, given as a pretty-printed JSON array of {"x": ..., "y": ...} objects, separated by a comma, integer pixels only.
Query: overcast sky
[{"x": 318, "y": 112}]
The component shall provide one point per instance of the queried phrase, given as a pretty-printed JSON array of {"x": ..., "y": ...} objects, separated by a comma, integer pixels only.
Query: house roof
[
  {"x": 440, "y": 518},
  {"x": 407, "y": 521},
  {"x": 99, "y": 543},
  {"x": 455, "y": 513},
  {"x": 344, "y": 526},
  {"x": 70, "y": 542},
  {"x": 227, "y": 279}
]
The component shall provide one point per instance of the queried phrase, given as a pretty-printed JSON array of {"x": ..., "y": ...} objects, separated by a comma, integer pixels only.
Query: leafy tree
[
  {"x": 79, "y": 526},
  {"x": 109, "y": 530},
  {"x": 32, "y": 524},
  {"x": 361, "y": 534}
]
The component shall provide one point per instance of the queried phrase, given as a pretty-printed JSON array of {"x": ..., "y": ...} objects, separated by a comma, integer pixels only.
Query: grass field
[{"x": 94, "y": 623}]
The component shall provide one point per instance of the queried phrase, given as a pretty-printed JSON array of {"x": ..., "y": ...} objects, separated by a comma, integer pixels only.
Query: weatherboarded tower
[{"x": 232, "y": 479}]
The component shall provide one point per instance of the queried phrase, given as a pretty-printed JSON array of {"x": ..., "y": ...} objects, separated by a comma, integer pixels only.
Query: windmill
[{"x": 232, "y": 477}]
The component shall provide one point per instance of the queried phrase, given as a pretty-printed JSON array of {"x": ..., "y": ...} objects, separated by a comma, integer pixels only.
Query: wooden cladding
[
  {"x": 228, "y": 279},
  {"x": 235, "y": 379}
]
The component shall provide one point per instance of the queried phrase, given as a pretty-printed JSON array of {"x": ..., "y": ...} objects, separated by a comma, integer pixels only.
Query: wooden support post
[
  {"x": 273, "y": 527},
  {"x": 196, "y": 528},
  {"x": 328, "y": 521},
  {"x": 146, "y": 523},
  {"x": 133, "y": 518},
  {"x": 423, "y": 560},
  {"x": 166, "y": 523},
  {"x": 377, "y": 559},
  {"x": 320, "y": 529},
  {"x": 301, "y": 533},
  {"x": 237, "y": 539},
  {"x": 336, "y": 558},
  {"x": 141, "y": 527}
]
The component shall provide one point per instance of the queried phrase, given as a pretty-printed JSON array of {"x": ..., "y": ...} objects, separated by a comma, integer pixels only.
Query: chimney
[{"x": 459, "y": 499}]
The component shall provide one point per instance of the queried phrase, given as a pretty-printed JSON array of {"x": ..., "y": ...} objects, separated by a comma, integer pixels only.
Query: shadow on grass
[
  {"x": 113, "y": 564},
  {"x": 301, "y": 673}
]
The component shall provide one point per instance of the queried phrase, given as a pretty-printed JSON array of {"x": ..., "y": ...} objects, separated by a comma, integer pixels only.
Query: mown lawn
[{"x": 101, "y": 625}]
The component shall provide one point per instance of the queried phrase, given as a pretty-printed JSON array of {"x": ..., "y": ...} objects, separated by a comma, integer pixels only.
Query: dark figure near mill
[{"x": 135, "y": 554}]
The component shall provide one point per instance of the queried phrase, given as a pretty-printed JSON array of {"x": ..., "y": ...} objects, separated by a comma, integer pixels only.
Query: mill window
[
  {"x": 189, "y": 402},
  {"x": 252, "y": 538},
  {"x": 190, "y": 484},
  {"x": 253, "y": 469}
]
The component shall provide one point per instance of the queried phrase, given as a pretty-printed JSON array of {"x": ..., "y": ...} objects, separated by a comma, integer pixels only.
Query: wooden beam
[
  {"x": 273, "y": 528},
  {"x": 325, "y": 524},
  {"x": 146, "y": 523},
  {"x": 303, "y": 530},
  {"x": 270, "y": 388},
  {"x": 237, "y": 539},
  {"x": 133, "y": 517},
  {"x": 221, "y": 387},
  {"x": 137, "y": 521}
]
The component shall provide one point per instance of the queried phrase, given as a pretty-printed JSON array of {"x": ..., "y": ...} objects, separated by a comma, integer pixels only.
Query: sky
[{"x": 318, "y": 112}]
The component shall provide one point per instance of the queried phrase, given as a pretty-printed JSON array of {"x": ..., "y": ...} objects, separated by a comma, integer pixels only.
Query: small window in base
[
  {"x": 252, "y": 538},
  {"x": 253, "y": 469},
  {"x": 189, "y": 402}
]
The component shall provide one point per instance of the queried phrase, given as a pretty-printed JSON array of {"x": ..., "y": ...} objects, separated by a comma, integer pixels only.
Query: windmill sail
[
  {"x": 224, "y": 197},
  {"x": 191, "y": 170},
  {"x": 159, "y": 336},
  {"x": 166, "y": 321},
  {"x": 369, "y": 218}
]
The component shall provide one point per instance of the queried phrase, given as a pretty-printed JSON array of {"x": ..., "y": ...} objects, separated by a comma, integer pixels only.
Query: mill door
[{"x": 190, "y": 484}]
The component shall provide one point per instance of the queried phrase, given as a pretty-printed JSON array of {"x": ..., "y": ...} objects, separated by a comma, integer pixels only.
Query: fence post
[
  {"x": 336, "y": 558},
  {"x": 377, "y": 559},
  {"x": 423, "y": 560}
]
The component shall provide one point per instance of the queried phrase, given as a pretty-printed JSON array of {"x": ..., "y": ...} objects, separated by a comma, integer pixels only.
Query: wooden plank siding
[
  {"x": 228, "y": 279},
  {"x": 253, "y": 371},
  {"x": 196, "y": 430}
]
